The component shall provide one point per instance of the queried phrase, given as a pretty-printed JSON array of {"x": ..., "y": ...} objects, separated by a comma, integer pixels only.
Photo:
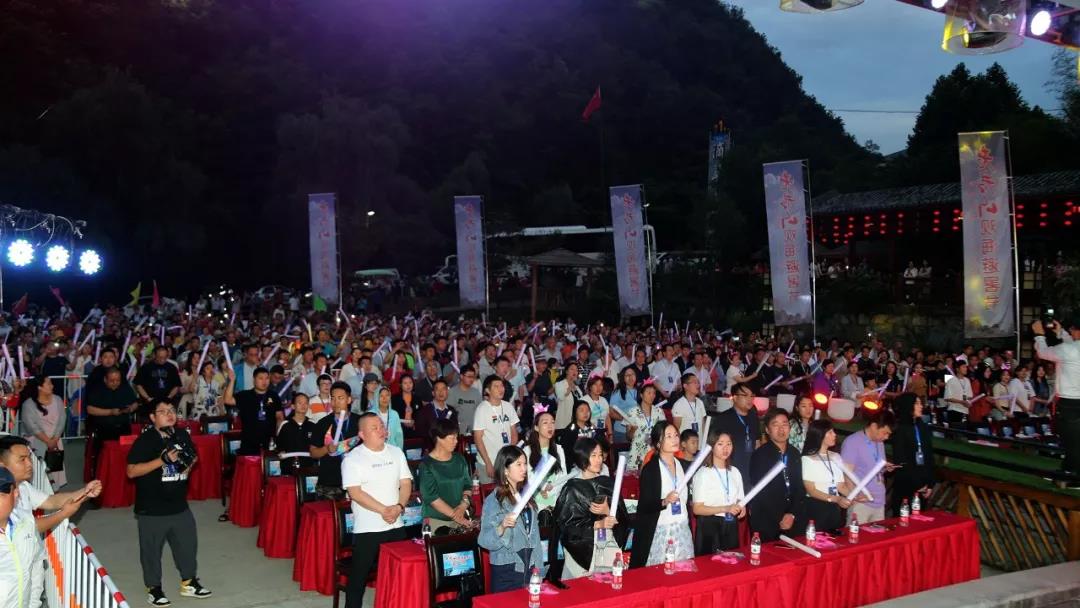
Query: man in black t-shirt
[
  {"x": 742, "y": 425},
  {"x": 295, "y": 433},
  {"x": 260, "y": 411},
  {"x": 158, "y": 379},
  {"x": 332, "y": 437},
  {"x": 158, "y": 463},
  {"x": 109, "y": 407}
]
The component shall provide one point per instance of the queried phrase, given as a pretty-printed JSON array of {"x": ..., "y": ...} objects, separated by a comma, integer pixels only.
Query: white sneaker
[{"x": 193, "y": 588}]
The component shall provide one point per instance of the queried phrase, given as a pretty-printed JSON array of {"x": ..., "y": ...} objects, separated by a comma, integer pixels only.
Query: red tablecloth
[
  {"x": 277, "y": 522},
  {"x": 923, "y": 556},
  {"x": 314, "y": 565},
  {"x": 402, "y": 579},
  {"x": 245, "y": 500},
  {"x": 117, "y": 490}
]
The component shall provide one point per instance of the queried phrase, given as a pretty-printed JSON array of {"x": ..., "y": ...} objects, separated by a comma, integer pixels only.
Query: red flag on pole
[
  {"x": 20, "y": 306},
  {"x": 56, "y": 294},
  {"x": 156, "y": 302},
  {"x": 592, "y": 106}
]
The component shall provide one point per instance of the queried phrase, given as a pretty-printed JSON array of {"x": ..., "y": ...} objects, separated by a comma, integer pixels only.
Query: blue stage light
[
  {"x": 57, "y": 258},
  {"x": 89, "y": 262},
  {"x": 20, "y": 252}
]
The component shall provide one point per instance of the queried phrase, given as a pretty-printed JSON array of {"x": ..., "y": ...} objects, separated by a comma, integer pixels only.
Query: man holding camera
[
  {"x": 1066, "y": 359},
  {"x": 159, "y": 463}
]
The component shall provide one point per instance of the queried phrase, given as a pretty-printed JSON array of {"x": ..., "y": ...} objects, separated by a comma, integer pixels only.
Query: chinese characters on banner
[
  {"x": 785, "y": 209},
  {"x": 322, "y": 236},
  {"x": 989, "y": 305},
  {"x": 472, "y": 273},
  {"x": 630, "y": 263}
]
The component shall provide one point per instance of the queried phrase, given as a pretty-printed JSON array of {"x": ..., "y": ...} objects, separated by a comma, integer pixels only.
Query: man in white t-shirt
[
  {"x": 16, "y": 456},
  {"x": 494, "y": 426},
  {"x": 377, "y": 478},
  {"x": 666, "y": 372},
  {"x": 958, "y": 394},
  {"x": 689, "y": 411}
]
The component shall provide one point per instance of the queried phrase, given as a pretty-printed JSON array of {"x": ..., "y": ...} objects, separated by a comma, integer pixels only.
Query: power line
[{"x": 864, "y": 111}]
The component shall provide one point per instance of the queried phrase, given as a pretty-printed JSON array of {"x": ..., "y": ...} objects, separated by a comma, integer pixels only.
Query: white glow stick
[
  {"x": 22, "y": 368},
  {"x": 774, "y": 381},
  {"x": 365, "y": 332},
  {"x": 225, "y": 347},
  {"x": 906, "y": 370},
  {"x": 855, "y": 480},
  {"x": 10, "y": 364},
  {"x": 78, "y": 330},
  {"x": 343, "y": 337},
  {"x": 661, "y": 323},
  {"x": 521, "y": 355},
  {"x": 133, "y": 368},
  {"x": 310, "y": 335},
  {"x": 202, "y": 357},
  {"x": 866, "y": 480},
  {"x": 977, "y": 397},
  {"x": 533, "y": 359},
  {"x": 760, "y": 365},
  {"x": 161, "y": 334},
  {"x": 281, "y": 393},
  {"x": 790, "y": 346},
  {"x": 89, "y": 336},
  {"x": 617, "y": 490},
  {"x": 797, "y": 545},
  {"x": 760, "y": 485},
  {"x": 273, "y": 352},
  {"x": 232, "y": 319},
  {"x": 97, "y": 352},
  {"x": 535, "y": 479},
  {"x": 123, "y": 349},
  {"x": 137, "y": 327},
  {"x": 694, "y": 466}
]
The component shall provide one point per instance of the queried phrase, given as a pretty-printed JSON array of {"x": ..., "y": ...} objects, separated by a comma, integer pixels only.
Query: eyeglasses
[{"x": 165, "y": 412}]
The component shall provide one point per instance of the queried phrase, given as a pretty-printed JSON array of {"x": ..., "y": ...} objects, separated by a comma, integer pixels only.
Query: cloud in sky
[{"x": 883, "y": 55}]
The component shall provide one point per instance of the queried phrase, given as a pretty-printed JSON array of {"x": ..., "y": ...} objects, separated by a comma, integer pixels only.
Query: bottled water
[
  {"x": 427, "y": 530},
  {"x": 905, "y": 513},
  {"x": 669, "y": 557},
  {"x": 853, "y": 530},
  {"x": 534, "y": 589},
  {"x": 916, "y": 505},
  {"x": 475, "y": 483},
  {"x": 616, "y": 571},
  {"x": 811, "y": 534},
  {"x": 755, "y": 549}
]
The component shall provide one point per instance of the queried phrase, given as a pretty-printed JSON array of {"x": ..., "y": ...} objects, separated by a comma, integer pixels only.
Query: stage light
[
  {"x": 57, "y": 258},
  {"x": 871, "y": 405},
  {"x": 938, "y": 4},
  {"x": 20, "y": 252},
  {"x": 1040, "y": 22},
  {"x": 89, "y": 262},
  {"x": 821, "y": 398}
]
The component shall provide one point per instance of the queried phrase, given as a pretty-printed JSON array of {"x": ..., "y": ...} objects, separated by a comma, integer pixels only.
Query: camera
[{"x": 185, "y": 452}]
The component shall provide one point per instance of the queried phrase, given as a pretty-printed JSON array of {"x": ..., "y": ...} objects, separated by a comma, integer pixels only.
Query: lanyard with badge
[
  {"x": 787, "y": 480},
  {"x": 342, "y": 426},
  {"x": 874, "y": 450},
  {"x": 676, "y": 507},
  {"x": 920, "y": 460},
  {"x": 496, "y": 418},
  {"x": 693, "y": 414},
  {"x": 832, "y": 477},
  {"x": 725, "y": 481},
  {"x": 746, "y": 427}
]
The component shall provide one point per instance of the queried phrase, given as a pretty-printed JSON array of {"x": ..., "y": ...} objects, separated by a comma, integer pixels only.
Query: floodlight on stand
[
  {"x": 89, "y": 262},
  {"x": 938, "y": 4},
  {"x": 821, "y": 399},
  {"x": 20, "y": 252},
  {"x": 57, "y": 258},
  {"x": 817, "y": 6},
  {"x": 1040, "y": 22},
  {"x": 981, "y": 27}
]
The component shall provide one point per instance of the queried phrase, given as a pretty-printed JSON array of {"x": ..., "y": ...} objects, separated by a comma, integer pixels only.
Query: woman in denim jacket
[{"x": 514, "y": 542}]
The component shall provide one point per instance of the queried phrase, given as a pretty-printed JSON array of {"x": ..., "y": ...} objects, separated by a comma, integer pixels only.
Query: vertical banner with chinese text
[
  {"x": 472, "y": 272},
  {"x": 322, "y": 237},
  {"x": 630, "y": 266},
  {"x": 989, "y": 301},
  {"x": 785, "y": 210}
]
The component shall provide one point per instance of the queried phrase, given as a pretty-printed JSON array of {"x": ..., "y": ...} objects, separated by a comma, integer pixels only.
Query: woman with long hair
[
  {"x": 370, "y": 395},
  {"x": 582, "y": 514},
  {"x": 641, "y": 418},
  {"x": 580, "y": 427},
  {"x": 1041, "y": 383},
  {"x": 624, "y": 398},
  {"x": 801, "y": 417},
  {"x": 405, "y": 404},
  {"x": 542, "y": 441},
  {"x": 912, "y": 452},
  {"x": 717, "y": 489},
  {"x": 567, "y": 393},
  {"x": 513, "y": 541},
  {"x": 43, "y": 418},
  {"x": 823, "y": 477},
  {"x": 662, "y": 516},
  {"x": 390, "y": 418},
  {"x": 445, "y": 481},
  {"x": 207, "y": 399},
  {"x": 397, "y": 369}
]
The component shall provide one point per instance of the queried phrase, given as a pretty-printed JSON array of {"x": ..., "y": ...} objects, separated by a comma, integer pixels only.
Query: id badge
[
  {"x": 832, "y": 491},
  {"x": 676, "y": 508},
  {"x": 728, "y": 517},
  {"x": 262, "y": 415},
  {"x": 506, "y": 438},
  {"x": 749, "y": 444},
  {"x": 694, "y": 426},
  {"x": 600, "y": 424},
  {"x": 920, "y": 460},
  {"x": 601, "y": 535}
]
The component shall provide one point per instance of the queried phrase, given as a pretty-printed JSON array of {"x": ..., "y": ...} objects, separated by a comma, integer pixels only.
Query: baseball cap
[{"x": 7, "y": 481}]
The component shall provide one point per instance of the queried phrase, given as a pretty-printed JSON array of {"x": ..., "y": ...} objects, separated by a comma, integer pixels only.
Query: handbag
[{"x": 54, "y": 460}]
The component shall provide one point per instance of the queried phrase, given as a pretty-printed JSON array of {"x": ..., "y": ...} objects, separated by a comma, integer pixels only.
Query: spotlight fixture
[
  {"x": 817, "y": 6},
  {"x": 57, "y": 258},
  {"x": 20, "y": 252},
  {"x": 89, "y": 262},
  {"x": 1040, "y": 22},
  {"x": 938, "y": 4}
]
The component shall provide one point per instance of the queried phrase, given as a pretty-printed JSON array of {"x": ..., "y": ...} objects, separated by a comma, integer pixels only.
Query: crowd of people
[{"x": 347, "y": 391}]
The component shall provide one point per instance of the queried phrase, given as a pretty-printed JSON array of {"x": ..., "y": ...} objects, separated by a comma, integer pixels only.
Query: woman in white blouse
[
  {"x": 717, "y": 489},
  {"x": 851, "y": 386},
  {"x": 43, "y": 417},
  {"x": 568, "y": 393},
  {"x": 824, "y": 476},
  {"x": 542, "y": 441},
  {"x": 642, "y": 418},
  {"x": 601, "y": 417}
]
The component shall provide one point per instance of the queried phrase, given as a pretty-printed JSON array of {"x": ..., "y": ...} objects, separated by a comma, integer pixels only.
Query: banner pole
[
  {"x": 487, "y": 269},
  {"x": 1015, "y": 240},
  {"x": 813, "y": 250}
]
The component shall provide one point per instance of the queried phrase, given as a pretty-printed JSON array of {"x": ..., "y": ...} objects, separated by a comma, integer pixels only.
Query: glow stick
[
  {"x": 790, "y": 346},
  {"x": 269, "y": 357},
  {"x": 760, "y": 365},
  {"x": 225, "y": 347},
  {"x": 797, "y": 545},
  {"x": 726, "y": 332},
  {"x": 774, "y": 381},
  {"x": 97, "y": 352},
  {"x": 22, "y": 368},
  {"x": 137, "y": 327},
  {"x": 281, "y": 393},
  {"x": 133, "y": 368},
  {"x": 533, "y": 359},
  {"x": 10, "y": 364},
  {"x": 123, "y": 349},
  {"x": 694, "y": 466},
  {"x": 89, "y": 336},
  {"x": 859, "y": 487},
  {"x": 365, "y": 332},
  {"x": 760, "y": 485},
  {"x": 906, "y": 370},
  {"x": 343, "y": 337},
  {"x": 633, "y": 351},
  {"x": 687, "y": 332},
  {"x": 521, "y": 355},
  {"x": 855, "y": 480},
  {"x": 405, "y": 336},
  {"x": 416, "y": 326},
  {"x": 78, "y": 330},
  {"x": 393, "y": 323},
  {"x": 202, "y": 357},
  {"x": 617, "y": 490},
  {"x": 973, "y": 399},
  {"x": 661, "y": 323},
  {"x": 161, "y": 334},
  {"x": 232, "y": 319},
  {"x": 310, "y": 335},
  {"x": 535, "y": 479}
]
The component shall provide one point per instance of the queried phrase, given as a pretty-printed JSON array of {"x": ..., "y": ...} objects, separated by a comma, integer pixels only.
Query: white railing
[{"x": 74, "y": 577}]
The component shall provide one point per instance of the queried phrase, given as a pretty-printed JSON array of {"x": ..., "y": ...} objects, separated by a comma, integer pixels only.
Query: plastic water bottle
[
  {"x": 534, "y": 589},
  {"x": 905, "y": 513},
  {"x": 916, "y": 505},
  {"x": 616, "y": 571},
  {"x": 475, "y": 483},
  {"x": 811, "y": 533},
  {"x": 755, "y": 550},
  {"x": 853, "y": 531},
  {"x": 427, "y": 530},
  {"x": 669, "y": 557}
]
